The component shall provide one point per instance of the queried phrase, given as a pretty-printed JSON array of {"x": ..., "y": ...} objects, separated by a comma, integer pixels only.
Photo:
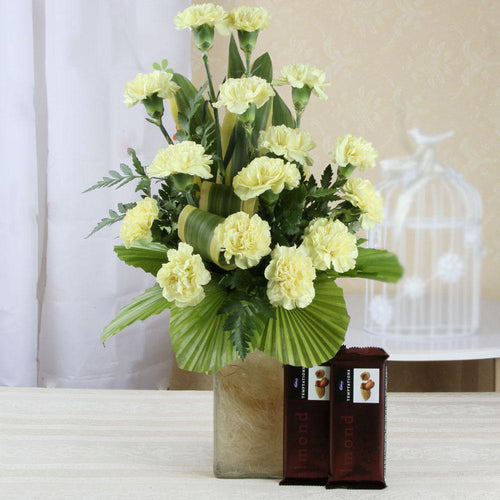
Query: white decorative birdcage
[{"x": 433, "y": 224}]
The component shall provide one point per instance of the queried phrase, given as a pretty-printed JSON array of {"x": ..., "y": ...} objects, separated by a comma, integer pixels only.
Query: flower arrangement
[{"x": 244, "y": 242}]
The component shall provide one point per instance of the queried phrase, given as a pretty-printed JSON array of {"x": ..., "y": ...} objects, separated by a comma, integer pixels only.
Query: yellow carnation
[
  {"x": 298, "y": 75},
  {"x": 329, "y": 243},
  {"x": 290, "y": 276},
  {"x": 206, "y": 13},
  {"x": 354, "y": 150},
  {"x": 362, "y": 194},
  {"x": 249, "y": 18},
  {"x": 137, "y": 222},
  {"x": 183, "y": 158},
  {"x": 237, "y": 94},
  {"x": 183, "y": 276},
  {"x": 292, "y": 144},
  {"x": 145, "y": 85},
  {"x": 263, "y": 174},
  {"x": 246, "y": 238}
]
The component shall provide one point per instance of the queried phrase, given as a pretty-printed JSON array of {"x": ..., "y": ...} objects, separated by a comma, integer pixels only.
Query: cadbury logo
[
  {"x": 295, "y": 382},
  {"x": 341, "y": 385}
]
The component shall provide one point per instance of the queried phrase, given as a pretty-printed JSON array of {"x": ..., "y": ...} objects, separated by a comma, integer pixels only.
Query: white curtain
[{"x": 63, "y": 126}]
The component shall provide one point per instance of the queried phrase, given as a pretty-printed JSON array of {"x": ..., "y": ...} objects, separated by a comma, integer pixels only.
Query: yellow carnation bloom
[
  {"x": 137, "y": 222},
  {"x": 263, "y": 174},
  {"x": 186, "y": 157},
  {"x": 183, "y": 276},
  {"x": 145, "y": 85},
  {"x": 292, "y": 144},
  {"x": 362, "y": 194},
  {"x": 354, "y": 150},
  {"x": 246, "y": 238},
  {"x": 298, "y": 75},
  {"x": 237, "y": 94},
  {"x": 206, "y": 13},
  {"x": 249, "y": 18},
  {"x": 290, "y": 276},
  {"x": 330, "y": 244}
]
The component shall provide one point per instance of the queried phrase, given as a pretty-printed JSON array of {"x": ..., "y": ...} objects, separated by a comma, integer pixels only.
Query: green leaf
[
  {"x": 198, "y": 339},
  {"x": 235, "y": 66},
  {"x": 147, "y": 255},
  {"x": 220, "y": 199},
  {"x": 263, "y": 67},
  {"x": 374, "y": 264},
  {"x": 147, "y": 304},
  {"x": 281, "y": 113},
  {"x": 312, "y": 335},
  {"x": 164, "y": 64},
  {"x": 261, "y": 119},
  {"x": 156, "y": 66},
  {"x": 240, "y": 158},
  {"x": 291, "y": 208},
  {"x": 136, "y": 162},
  {"x": 321, "y": 192},
  {"x": 326, "y": 177}
]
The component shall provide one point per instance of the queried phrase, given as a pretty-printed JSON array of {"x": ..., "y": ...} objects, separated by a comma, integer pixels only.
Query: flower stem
[
  {"x": 164, "y": 132},
  {"x": 247, "y": 58},
  {"x": 298, "y": 117},
  {"x": 213, "y": 99}
]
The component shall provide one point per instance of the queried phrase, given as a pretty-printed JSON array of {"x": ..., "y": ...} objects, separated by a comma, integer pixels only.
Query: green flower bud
[
  {"x": 247, "y": 40},
  {"x": 269, "y": 198},
  {"x": 154, "y": 106},
  {"x": 248, "y": 117},
  {"x": 183, "y": 182},
  {"x": 300, "y": 97},
  {"x": 204, "y": 37},
  {"x": 347, "y": 170}
]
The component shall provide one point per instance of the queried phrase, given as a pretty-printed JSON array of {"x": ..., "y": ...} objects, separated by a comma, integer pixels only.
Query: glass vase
[{"x": 248, "y": 418}]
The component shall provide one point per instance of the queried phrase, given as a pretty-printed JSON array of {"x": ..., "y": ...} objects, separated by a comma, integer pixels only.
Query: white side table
[{"x": 485, "y": 344}]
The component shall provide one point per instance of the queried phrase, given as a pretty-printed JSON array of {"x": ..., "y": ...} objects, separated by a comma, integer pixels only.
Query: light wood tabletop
[{"x": 64, "y": 444}]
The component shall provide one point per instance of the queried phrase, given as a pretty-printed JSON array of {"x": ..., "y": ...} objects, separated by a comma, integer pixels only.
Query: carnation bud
[
  {"x": 347, "y": 170},
  {"x": 248, "y": 117},
  {"x": 154, "y": 106},
  {"x": 204, "y": 37},
  {"x": 183, "y": 182},
  {"x": 300, "y": 97},
  {"x": 247, "y": 40}
]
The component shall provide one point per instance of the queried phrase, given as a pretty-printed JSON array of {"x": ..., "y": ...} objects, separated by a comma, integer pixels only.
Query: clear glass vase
[{"x": 248, "y": 418}]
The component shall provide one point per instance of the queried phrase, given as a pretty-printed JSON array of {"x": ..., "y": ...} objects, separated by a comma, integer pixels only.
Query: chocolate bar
[
  {"x": 357, "y": 418},
  {"x": 306, "y": 425}
]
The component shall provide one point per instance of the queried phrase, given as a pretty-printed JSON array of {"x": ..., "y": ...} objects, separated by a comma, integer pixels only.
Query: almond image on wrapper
[
  {"x": 321, "y": 384},
  {"x": 366, "y": 386}
]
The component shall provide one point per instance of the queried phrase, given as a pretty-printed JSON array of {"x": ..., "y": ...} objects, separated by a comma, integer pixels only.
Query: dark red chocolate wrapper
[
  {"x": 357, "y": 418},
  {"x": 306, "y": 427}
]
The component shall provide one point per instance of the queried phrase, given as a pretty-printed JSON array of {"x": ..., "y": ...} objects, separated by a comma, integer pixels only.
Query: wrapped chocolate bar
[
  {"x": 306, "y": 424},
  {"x": 357, "y": 418}
]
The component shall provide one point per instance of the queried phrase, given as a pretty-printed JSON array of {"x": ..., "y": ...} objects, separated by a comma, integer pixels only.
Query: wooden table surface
[{"x": 64, "y": 444}]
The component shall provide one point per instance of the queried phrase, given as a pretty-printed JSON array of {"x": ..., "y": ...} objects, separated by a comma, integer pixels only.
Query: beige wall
[{"x": 394, "y": 65}]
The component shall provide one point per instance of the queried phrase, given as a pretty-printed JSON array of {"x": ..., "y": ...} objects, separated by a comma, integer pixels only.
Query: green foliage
[
  {"x": 145, "y": 305},
  {"x": 246, "y": 308},
  {"x": 163, "y": 66},
  {"x": 198, "y": 339},
  {"x": 281, "y": 112},
  {"x": 115, "y": 178},
  {"x": 147, "y": 255},
  {"x": 112, "y": 218},
  {"x": 170, "y": 202},
  {"x": 374, "y": 264},
  {"x": 235, "y": 66},
  {"x": 263, "y": 67},
  {"x": 312, "y": 335}
]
